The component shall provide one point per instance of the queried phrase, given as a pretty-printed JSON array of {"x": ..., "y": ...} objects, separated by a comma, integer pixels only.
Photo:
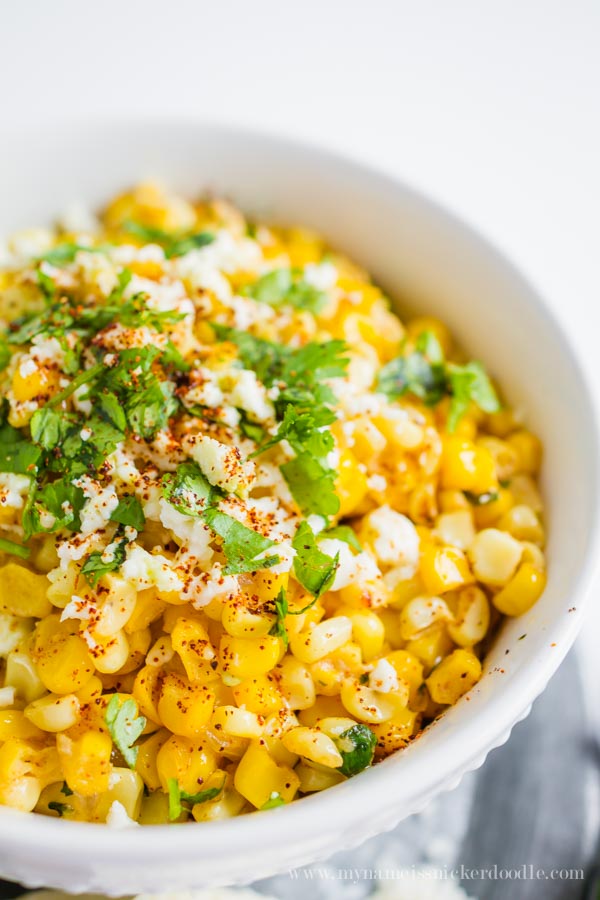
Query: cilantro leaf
[
  {"x": 278, "y": 628},
  {"x": 99, "y": 563},
  {"x": 481, "y": 499},
  {"x": 174, "y": 243},
  {"x": 17, "y": 454},
  {"x": 357, "y": 747},
  {"x": 124, "y": 727},
  {"x": 284, "y": 287},
  {"x": 312, "y": 485},
  {"x": 14, "y": 549},
  {"x": 314, "y": 569},
  {"x": 177, "y": 797},
  {"x": 150, "y": 410},
  {"x": 65, "y": 253},
  {"x": 5, "y": 352},
  {"x": 60, "y": 808},
  {"x": 187, "y": 489},
  {"x": 470, "y": 383},
  {"x": 346, "y": 534},
  {"x": 240, "y": 545},
  {"x": 274, "y": 801},
  {"x": 129, "y": 512},
  {"x": 62, "y": 500}
]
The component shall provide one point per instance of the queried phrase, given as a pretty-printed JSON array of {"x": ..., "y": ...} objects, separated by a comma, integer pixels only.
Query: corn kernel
[
  {"x": 23, "y": 593},
  {"x": 322, "y": 639},
  {"x": 85, "y": 762},
  {"x": 443, "y": 569},
  {"x": 521, "y": 592},
  {"x": 236, "y": 722},
  {"x": 494, "y": 556},
  {"x": 455, "y": 675},
  {"x": 259, "y": 695},
  {"x": 367, "y": 705},
  {"x": 245, "y": 657},
  {"x": 528, "y": 449},
  {"x": 313, "y": 745},
  {"x": 184, "y": 708},
  {"x": 54, "y": 713},
  {"x": 258, "y": 777},
  {"x": 467, "y": 467},
  {"x": 189, "y": 760},
  {"x": 472, "y": 617}
]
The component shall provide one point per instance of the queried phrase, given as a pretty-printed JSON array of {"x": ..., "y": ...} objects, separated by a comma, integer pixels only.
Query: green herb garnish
[
  {"x": 357, "y": 747},
  {"x": 177, "y": 797},
  {"x": 125, "y": 727}
]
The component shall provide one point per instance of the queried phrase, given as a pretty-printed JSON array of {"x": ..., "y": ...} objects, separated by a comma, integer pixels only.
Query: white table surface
[{"x": 491, "y": 106}]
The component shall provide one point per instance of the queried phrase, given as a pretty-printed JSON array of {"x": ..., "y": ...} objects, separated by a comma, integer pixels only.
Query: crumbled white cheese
[
  {"x": 12, "y": 630},
  {"x": 220, "y": 464},
  {"x": 193, "y": 536},
  {"x": 383, "y": 677},
  {"x": 251, "y": 396},
  {"x": 150, "y": 570},
  {"x": 117, "y": 817},
  {"x": 321, "y": 276},
  {"x": 7, "y": 696},
  {"x": 203, "y": 588},
  {"x": 353, "y": 567},
  {"x": 13, "y": 489},
  {"x": 394, "y": 538},
  {"x": 101, "y": 502}
]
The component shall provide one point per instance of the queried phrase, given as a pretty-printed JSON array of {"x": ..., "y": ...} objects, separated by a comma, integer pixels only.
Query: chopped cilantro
[
  {"x": 46, "y": 284},
  {"x": 16, "y": 453},
  {"x": 66, "y": 790},
  {"x": 62, "y": 500},
  {"x": 469, "y": 384},
  {"x": 187, "y": 490},
  {"x": 282, "y": 287},
  {"x": 173, "y": 243},
  {"x": 312, "y": 484},
  {"x": 346, "y": 534},
  {"x": 481, "y": 499},
  {"x": 177, "y": 797},
  {"x": 99, "y": 563},
  {"x": 14, "y": 549},
  {"x": 5, "y": 352},
  {"x": 129, "y": 512},
  {"x": 314, "y": 569},
  {"x": 60, "y": 808},
  {"x": 65, "y": 253},
  {"x": 125, "y": 727},
  {"x": 356, "y": 746},
  {"x": 242, "y": 546},
  {"x": 274, "y": 801}
]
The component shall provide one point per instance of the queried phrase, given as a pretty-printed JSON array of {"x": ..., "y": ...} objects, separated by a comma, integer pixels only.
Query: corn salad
[{"x": 255, "y": 532}]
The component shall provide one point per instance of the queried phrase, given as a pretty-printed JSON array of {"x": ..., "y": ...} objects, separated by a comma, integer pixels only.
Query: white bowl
[{"x": 423, "y": 255}]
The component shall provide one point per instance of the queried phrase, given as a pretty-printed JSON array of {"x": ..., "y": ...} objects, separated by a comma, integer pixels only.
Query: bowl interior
[{"x": 426, "y": 260}]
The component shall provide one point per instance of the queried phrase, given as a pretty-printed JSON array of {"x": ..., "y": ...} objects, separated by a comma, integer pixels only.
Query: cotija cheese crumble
[{"x": 255, "y": 532}]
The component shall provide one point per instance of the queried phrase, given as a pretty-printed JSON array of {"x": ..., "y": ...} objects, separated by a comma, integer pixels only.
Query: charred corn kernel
[
  {"x": 431, "y": 645},
  {"x": 236, "y": 722},
  {"x": 259, "y": 695},
  {"x": 184, "y": 708},
  {"x": 146, "y": 763},
  {"x": 494, "y": 556},
  {"x": 226, "y": 804},
  {"x": 521, "y": 592},
  {"x": 351, "y": 484},
  {"x": 367, "y": 705},
  {"x": 296, "y": 683},
  {"x": 420, "y": 324},
  {"x": 117, "y": 607},
  {"x": 523, "y": 524},
  {"x": 22, "y": 674},
  {"x": 455, "y": 675},
  {"x": 54, "y": 713},
  {"x": 63, "y": 661},
  {"x": 467, "y": 467},
  {"x": 239, "y": 620},
  {"x": 85, "y": 761},
  {"x": 148, "y": 608},
  {"x": 15, "y": 724},
  {"x": 189, "y": 760},
  {"x": 456, "y": 528},
  {"x": 409, "y": 668},
  {"x": 23, "y": 593},
  {"x": 258, "y": 777},
  {"x": 125, "y": 787},
  {"x": 528, "y": 449},
  {"x": 190, "y": 640},
  {"x": 110, "y": 654},
  {"x": 396, "y": 732},
  {"x": 505, "y": 457},
  {"x": 245, "y": 657},
  {"x": 39, "y": 382},
  {"x": 443, "y": 569},
  {"x": 472, "y": 617},
  {"x": 323, "y": 707},
  {"x": 322, "y": 639},
  {"x": 313, "y": 745},
  {"x": 421, "y": 613},
  {"x": 487, "y": 514},
  {"x": 146, "y": 691}
]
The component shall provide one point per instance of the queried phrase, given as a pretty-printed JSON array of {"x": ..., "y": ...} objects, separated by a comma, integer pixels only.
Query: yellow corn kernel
[
  {"x": 125, "y": 787},
  {"x": 236, "y": 722},
  {"x": 139, "y": 642},
  {"x": 303, "y": 246},
  {"x": 110, "y": 654},
  {"x": 399, "y": 431},
  {"x": 532, "y": 554},
  {"x": 63, "y": 661},
  {"x": 505, "y": 457},
  {"x": 351, "y": 484},
  {"x": 494, "y": 556},
  {"x": 23, "y": 593},
  {"x": 54, "y": 713},
  {"x": 148, "y": 608},
  {"x": 396, "y": 732},
  {"x": 266, "y": 584},
  {"x": 45, "y": 557},
  {"x": 296, "y": 683},
  {"x": 521, "y": 592},
  {"x": 472, "y": 617},
  {"x": 146, "y": 763},
  {"x": 190, "y": 640},
  {"x": 367, "y": 631},
  {"x": 226, "y": 804},
  {"x": 334, "y": 726},
  {"x": 184, "y": 708},
  {"x": 467, "y": 467},
  {"x": 365, "y": 439},
  {"x": 431, "y": 645},
  {"x": 259, "y": 695},
  {"x": 523, "y": 524},
  {"x": 487, "y": 514},
  {"x": 421, "y": 613},
  {"x": 62, "y": 584},
  {"x": 402, "y": 589},
  {"x": 117, "y": 606},
  {"x": 14, "y": 632},
  {"x": 452, "y": 501},
  {"x": 258, "y": 777},
  {"x": 525, "y": 492},
  {"x": 456, "y": 528},
  {"x": 313, "y": 745},
  {"x": 323, "y": 708},
  {"x": 418, "y": 325},
  {"x": 367, "y": 705},
  {"x": 14, "y": 724},
  {"x": 409, "y": 668},
  {"x": 391, "y": 624},
  {"x": 245, "y": 657},
  {"x": 443, "y": 569},
  {"x": 71, "y": 808},
  {"x": 155, "y": 809},
  {"x": 19, "y": 785},
  {"x": 146, "y": 691},
  {"x": 85, "y": 761},
  {"x": 455, "y": 675},
  {"x": 528, "y": 449},
  {"x": 39, "y": 383},
  {"x": 240, "y": 620},
  {"x": 322, "y": 640},
  {"x": 22, "y": 674},
  {"x": 502, "y": 423},
  {"x": 359, "y": 594},
  {"x": 189, "y": 760},
  {"x": 312, "y": 780}
]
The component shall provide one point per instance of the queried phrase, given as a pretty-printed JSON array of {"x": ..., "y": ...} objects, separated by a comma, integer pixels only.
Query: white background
[{"x": 489, "y": 105}]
